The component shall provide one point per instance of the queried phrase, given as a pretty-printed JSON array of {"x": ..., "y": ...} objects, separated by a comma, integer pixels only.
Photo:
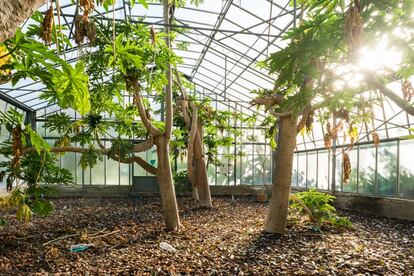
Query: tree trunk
[
  {"x": 195, "y": 193},
  {"x": 200, "y": 166},
  {"x": 165, "y": 182},
  {"x": 13, "y": 13},
  {"x": 279, "y": 203}
]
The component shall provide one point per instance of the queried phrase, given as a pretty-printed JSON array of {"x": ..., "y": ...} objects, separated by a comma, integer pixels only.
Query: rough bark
[
  {"x": 200, "y": 168},
  {"x": 279, "y": 203},
  {"x": 13, "y": 13},
  {"x": 165, "y": 181},
  {"x": 196, "y": 163},
  {"x": 164, "y": 172}
]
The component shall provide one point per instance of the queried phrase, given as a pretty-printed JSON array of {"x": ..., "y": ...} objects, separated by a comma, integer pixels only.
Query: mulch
[{"x": 124, "y": 236}]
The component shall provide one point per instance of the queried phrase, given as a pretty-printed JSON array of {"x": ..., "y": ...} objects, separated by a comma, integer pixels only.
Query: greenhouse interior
[{"x": 206, "y": 137}]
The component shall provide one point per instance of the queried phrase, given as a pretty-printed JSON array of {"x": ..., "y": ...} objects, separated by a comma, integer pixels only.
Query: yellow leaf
[{"x": 24, "y": 213}]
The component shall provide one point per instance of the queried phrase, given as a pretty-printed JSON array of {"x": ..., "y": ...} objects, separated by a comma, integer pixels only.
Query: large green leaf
[{"x": 71, "y": 86}]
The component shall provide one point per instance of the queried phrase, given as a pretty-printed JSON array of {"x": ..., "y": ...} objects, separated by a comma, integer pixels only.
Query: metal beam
[{"x": 14, "y": 102}]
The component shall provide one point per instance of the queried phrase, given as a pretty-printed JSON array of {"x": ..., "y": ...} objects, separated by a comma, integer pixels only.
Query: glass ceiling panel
[{"x": 225, "y": 41}]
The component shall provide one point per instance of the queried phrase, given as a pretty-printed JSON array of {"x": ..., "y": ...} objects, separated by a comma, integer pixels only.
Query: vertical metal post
[
  {"x": 358, "y": 169},
  {"x": 30, "y": 119},
  {"x": 317, "y": 169},
  {"x": 225, "y": 77},
  {"x": 306, "y": 170},
  {"x": 242, "y": 144},
  {"x": 329, "y": 168},
  {"x": 253, "y": 163},
  {"x": 235, "y": 147},
  {"x": 333, "y": 179},
  {"x": 264, "y": 165},
  {"x": 294, "y": 13},
  {"x": 376, "y": 172},
  {"x": 104, "y": 160},
  {"x": 397, "y": 191}
]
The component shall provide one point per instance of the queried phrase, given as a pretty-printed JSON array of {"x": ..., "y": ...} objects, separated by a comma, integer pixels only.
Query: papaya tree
[
  {"x": 131, "y": 57},
  {"x": 323, "y": 51},
  {"x": 201, "y": 131}
]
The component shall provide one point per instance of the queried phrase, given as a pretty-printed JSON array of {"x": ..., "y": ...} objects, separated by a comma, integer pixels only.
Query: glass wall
[
  {"x": 406, "y": 181},
  {"x": 386, "y": 170}
]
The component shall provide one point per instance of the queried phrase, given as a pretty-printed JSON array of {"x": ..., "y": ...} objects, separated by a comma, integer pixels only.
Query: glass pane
[
  {"x": 98, "y": 172},
  {"x": 387, "y": 169},
  {"x": 295, "y": 170},
  {"x": 124, "y": 173},
  {"x": 338, "y": 170},
  {"x": 138, "y": 170},
  {"x": 211, "y": 174},
  {"x": 112, "y": 172},
  {"x": 302, "y": 170},
  {"x": 406, "y": 169},
  {"x": 311, "y": 176},
  {"x": 366, "y": 169},
  {"x": 224, "y": 171},
  {"x": 69, "y": 162},
  {"x": 247, "y": 167},
  {"x": 323, "y": 170},
  {"x": 351, "y": 185}
]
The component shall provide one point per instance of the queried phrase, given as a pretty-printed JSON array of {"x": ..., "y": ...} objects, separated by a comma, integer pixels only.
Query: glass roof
[{"x": 225, "y": 41}]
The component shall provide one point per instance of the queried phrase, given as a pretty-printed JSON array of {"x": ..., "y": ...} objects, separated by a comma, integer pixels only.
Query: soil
[{"x": 123, "y": 237}]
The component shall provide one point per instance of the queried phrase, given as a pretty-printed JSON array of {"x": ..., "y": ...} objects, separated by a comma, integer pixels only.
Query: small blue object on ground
[{"x": 79, "y": 247}]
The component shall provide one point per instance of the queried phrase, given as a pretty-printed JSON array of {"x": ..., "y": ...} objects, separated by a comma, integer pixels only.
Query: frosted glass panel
[
  {"x": 407, "y": 169},
  {"x": 323, "y": 170},
  {"x": 295, "y": 170},
  {"x": 387, "y": 169},
  {"x": 124, "y": 174},
  {"x": 366, "y": 169},
  {"x": 351, "y": 185},
  {"x": 98, "y": 173},
  {"x": 69, "y": 162},
  {"x": 311, "y": 176},
  {"x": 302, "y": 170},
  {"x": 112, "y": 172}
]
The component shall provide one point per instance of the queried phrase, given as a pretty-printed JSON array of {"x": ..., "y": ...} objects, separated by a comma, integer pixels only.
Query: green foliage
[
  {"x": 89, "y": 158},
  {"x": 66, "y": 85},
  {"x": 71, "y": 88},
  {"x": 36, "y": 140},
  {"x": 28, "y": 202},
  {"x": 43, "y": 168},
  {"x": 182, "y": 182},
  {"x": 121, "y": 148},
  {"x": 320, "y": 204},
  {"x": 59, "y": 122}
]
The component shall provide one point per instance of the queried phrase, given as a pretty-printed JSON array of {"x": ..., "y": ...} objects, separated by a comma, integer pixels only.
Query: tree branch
[
  {"x": 280, "y": 114},
  {"x": 153, "y": 130},
  {"x": 306, "y": 111},
  {"x": 145, "y": 165},
  {"x": 190, "y": 151},
  {"x": 383, "y": 89},
  {"x": 144, "y": 146},
  {"x": 183, "y": 102},
  {"x": 168, "y": 88},
  {"x": 268, "y": 100}
]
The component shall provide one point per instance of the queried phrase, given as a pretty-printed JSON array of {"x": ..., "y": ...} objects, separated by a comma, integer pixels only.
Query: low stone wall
[
  {"x": 386, "y": 207},
  {"x": 91, "y": 191}
]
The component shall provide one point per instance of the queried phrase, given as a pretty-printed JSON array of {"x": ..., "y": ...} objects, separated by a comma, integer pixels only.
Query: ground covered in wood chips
[{"x": 124, "y": 238}]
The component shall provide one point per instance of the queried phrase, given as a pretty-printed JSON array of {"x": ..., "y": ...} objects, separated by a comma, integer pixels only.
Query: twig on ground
[
  {"x": 60, "y": 238},
  {"x": 104, "y": 235}
]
